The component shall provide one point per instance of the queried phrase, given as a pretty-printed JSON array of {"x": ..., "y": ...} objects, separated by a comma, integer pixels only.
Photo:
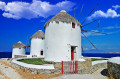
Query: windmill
[{"x": 81, "y": 26}]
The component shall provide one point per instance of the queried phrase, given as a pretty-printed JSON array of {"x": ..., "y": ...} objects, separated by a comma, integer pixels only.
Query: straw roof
[
  {"x": 63, "y": 16},
  {"x": 19, "y": 45},
  {"x": 38, "y": 34}
]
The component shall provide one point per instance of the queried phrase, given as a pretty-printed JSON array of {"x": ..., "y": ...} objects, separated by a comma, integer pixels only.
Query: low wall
[
  {"x": 98, "y": 66},
  {"x": 48, "y": 69},
  {"x": 83, "y": 67},
  {"x": 20, "y": 56},
  {"x": 113, "y": 65},
  {"x": 88, "y": 67}
]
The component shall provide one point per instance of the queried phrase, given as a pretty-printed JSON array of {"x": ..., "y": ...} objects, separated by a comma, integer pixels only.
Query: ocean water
[
  {"x": 105, "y": 55},
  {"x": 5, "y": 54},
  {"x": 8, "y": 54}
]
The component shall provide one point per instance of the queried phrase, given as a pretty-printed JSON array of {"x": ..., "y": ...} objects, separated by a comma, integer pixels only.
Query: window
[
  {"x": 42, "y": 38},
  {"x": 73, "y": 25},
  {"x": 41, "y": 52}
]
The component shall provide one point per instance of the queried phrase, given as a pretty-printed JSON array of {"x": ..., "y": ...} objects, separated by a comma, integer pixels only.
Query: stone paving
[
  {"x": 2, "y": 77},
  {"x": 95, "y": 75},
  {"x": 9, "y": 72}
]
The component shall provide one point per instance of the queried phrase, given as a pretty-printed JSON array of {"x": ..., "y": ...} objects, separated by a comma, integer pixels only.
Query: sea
[{"x": 104, "y": 55}]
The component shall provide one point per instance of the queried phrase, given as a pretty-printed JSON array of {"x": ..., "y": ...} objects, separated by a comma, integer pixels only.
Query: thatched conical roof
[
  {"x": 38, "y": 34},
  {"x": 19, "y": 45},
  {"x": 63, "y": 16}
]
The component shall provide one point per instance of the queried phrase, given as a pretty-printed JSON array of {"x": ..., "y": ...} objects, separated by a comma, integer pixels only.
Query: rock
[
  {"x": 113, "y": 69},
  {"x": 47, "y": 71}
]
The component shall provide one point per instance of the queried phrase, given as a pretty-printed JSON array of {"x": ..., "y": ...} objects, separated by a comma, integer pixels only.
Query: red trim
[
  {"x": 75, "y": 67},
  {"x": 72, "y": 55},
  {"x": 62, "y": 67},
  {"x": 73, "y": 25}
]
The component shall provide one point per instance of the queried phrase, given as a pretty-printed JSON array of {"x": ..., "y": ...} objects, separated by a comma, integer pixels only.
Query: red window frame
[{"x": 73, "y": 25}]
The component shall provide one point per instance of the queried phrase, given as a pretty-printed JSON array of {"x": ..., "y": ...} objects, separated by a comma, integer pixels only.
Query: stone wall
[
  {"x": 58, "y": 67},
  {"x": 86, "y": 67},
  {"x": 113, "y": 70},
  {"x": 98, "y": 66},
  {"x": 83, "y": 67},
  {"x": 20, "y": 56},
  {"x": 57, "y": 70}
]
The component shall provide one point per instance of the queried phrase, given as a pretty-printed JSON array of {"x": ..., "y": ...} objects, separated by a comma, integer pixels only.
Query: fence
[{"x": 69, "y": 67}]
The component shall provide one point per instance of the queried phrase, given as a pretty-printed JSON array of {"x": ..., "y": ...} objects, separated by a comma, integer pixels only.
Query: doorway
[{"x": 72, "y": 52}]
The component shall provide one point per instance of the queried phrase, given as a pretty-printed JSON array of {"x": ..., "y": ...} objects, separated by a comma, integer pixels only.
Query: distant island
[{"x": 114, "y": 52}]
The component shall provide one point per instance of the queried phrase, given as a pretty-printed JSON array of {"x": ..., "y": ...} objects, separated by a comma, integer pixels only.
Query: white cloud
[
  {"x": 8, "y": 15},
  {"x": 37, "y": 8},
  {"x": 96, "y": 34},
  {"x": 92, "y": 33},
  {"x": 114, "y": 32},
  {"x": 86, "y": 48},
  {"x": 2, "y": 5},
  {"x": 111, "y": 27},
  {"x": 109, "y": 14},
  {"x": 42, "y": 20},
  {"x": 116, "y": 7}
]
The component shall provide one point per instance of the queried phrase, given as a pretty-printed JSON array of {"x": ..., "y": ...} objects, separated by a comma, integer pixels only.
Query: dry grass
[{"x": 29, "y": 75}]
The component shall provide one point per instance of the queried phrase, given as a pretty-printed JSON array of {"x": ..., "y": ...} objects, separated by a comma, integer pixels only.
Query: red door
[{"x": 72, "y": 53}]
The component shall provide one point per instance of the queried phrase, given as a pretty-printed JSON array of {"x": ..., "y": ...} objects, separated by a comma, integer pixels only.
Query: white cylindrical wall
[
  {"x": 37, "y": 45},
  {"x": 59, "y": 37},
  {"x": 18, "y": 51}
]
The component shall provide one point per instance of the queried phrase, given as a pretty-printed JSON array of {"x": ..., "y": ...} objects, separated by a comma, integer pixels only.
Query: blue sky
[{"x": 20, "y": 19}]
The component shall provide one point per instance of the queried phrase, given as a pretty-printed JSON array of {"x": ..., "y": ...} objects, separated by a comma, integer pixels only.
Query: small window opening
[
  {"x": 73, "y": 25},
  {"x": 19, "y": 48},
  {"x": 42, "y": 38},
  {"x": 41, "y": 52}
]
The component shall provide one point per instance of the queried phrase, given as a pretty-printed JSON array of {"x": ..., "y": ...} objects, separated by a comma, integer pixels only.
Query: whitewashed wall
[
  {"x": 18, "y": 51},
  {"x": 46, "y": 66},
  {"x": 37, "y": 44},
  {"x": 58, "y": 41}
]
